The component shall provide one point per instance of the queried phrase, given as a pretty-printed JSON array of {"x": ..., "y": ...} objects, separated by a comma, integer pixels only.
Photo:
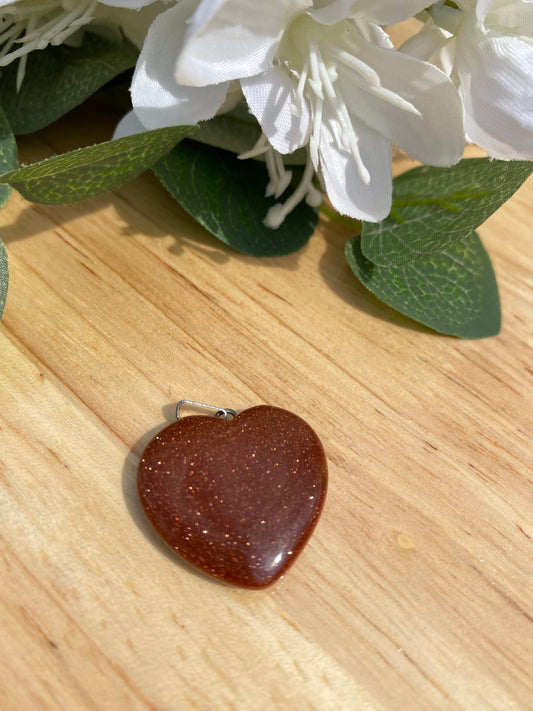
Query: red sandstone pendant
[{"x": 237, "y": 499}]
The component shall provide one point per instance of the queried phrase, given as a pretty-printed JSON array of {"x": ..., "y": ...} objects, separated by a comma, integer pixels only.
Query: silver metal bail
[{"x": 225, "y": 412}]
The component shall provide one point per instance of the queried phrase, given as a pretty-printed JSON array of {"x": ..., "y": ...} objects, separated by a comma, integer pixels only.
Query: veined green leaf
[
  {"x": 226, "y": 196},
  {"x": 85, "y": 172},
  {"x": 453, "y": 292},
  {"x": 8, "y": 155},
  {"x": 59, "y": 78},
  {"x": 434, "y": 207}
]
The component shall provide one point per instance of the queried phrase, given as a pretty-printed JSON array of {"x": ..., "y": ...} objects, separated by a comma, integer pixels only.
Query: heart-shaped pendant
[{"x": 237, "y": 499}]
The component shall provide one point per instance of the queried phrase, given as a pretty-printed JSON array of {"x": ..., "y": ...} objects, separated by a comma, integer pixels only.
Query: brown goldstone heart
[{"x": 237, "y": 499}]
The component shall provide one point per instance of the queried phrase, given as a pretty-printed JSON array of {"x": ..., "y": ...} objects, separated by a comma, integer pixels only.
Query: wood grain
[{"x": 415, "y": 592}]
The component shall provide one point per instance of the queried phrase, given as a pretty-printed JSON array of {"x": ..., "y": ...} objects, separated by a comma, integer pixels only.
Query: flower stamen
[
  {"x": 347, "y": 137},
  {"x": 391, "y": 97},
  {"x": 372, "y": 82},
  {"x": 314, "y": 82},
  {"x": 279, "y": 177},
  {"x": 38, "y": 25},
  {"x": 297, "y": 106},
  {"x": 355, "y": 64},
  {"x": 305, "y": 189}
]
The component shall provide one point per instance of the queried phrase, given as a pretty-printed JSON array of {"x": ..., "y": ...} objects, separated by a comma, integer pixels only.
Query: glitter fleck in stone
[{"x": 238, "y": 499}]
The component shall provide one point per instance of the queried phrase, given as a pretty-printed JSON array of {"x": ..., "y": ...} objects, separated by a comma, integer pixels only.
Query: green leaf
[
  {"x": 59, "y": 78},
  {"x": 453, "y": 292},
  {"x": 236, "y": 131},
  {"x": 4, "y": 276},
  {"x": 434, "y": 207},
  {"x": 226, "y": 196},
  {"x": 96, "y": 169},
  {"x": 8, "y": 155}
]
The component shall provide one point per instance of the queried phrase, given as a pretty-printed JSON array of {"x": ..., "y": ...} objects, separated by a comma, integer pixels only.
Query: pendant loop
[{"x": 225, "y": 412}]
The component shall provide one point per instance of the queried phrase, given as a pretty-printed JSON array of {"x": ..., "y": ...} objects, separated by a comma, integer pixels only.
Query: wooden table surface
[{"x": 416, "y": 590}]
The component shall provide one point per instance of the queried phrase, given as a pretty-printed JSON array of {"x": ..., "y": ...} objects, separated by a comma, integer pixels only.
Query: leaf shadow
[
  {"x": 336, "y": 273},
  {"x": 143, "y": 204},
  {"x": 145, "y": 208},
  {"x": 170, "y": 219},
  {"x": 162, "y": 218}
]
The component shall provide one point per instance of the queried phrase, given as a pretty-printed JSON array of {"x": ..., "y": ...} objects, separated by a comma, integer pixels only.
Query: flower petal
[
  {"x": 435, "y": 135},
  {"x": 383, "y": 12},
  {"x": 495, "y": 75},
  {"x": 347, "y": 192},
  {"x": 270, "y": 97},
  {"x": 231, "y": 39},
  {"x": 157, "y": 98},
  {"x": 128, "y": 125},
  {"x": 516, "y": 16},
  {"x": 131, "y": 4},
  {"x": 427, "y": 42}
]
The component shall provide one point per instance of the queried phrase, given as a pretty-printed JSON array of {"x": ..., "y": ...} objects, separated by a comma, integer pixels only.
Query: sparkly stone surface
[{"x": 236, "y": 499}]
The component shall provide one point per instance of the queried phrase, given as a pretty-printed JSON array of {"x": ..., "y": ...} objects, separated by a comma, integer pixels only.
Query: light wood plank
[{"x": 415, "y": 590}]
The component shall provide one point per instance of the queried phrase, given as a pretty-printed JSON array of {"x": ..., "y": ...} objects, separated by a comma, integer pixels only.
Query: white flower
[
  {"x": 487, "y": 48},
  {"x": 28, "y": 25},
  {"x": 317, "y": 74}
]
